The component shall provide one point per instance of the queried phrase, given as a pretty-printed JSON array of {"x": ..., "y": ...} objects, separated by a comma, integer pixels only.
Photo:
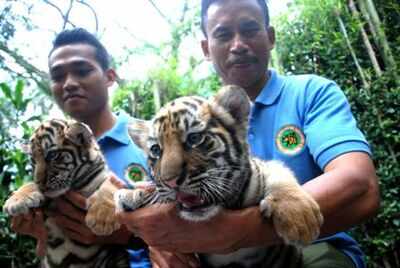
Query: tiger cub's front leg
[
  {"x": 22, "y": 200},
  {"x": 295, "y": 214},
  {"x": 100, "y": 217}
]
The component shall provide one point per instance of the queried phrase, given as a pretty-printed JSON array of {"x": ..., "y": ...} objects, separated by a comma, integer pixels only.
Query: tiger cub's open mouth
[{"x": 190, "y": 202}]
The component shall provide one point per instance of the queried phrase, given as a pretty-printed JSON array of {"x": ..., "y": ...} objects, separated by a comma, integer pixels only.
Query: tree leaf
[{"x": 6, "y": 90}]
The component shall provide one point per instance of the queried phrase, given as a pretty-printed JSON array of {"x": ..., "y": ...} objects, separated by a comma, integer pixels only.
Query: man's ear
[
  {"x": 111, "y": 77},
  {"x": 204, "y": 47}
]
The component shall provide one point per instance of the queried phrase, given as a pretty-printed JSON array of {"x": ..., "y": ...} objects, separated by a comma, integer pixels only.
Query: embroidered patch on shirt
[
  {"x": 290, "y": 140},
  {"x": 135, "y": 172}
]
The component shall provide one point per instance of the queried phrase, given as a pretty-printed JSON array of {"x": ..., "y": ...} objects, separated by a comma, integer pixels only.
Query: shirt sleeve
[{"x": 329, "y": 125}]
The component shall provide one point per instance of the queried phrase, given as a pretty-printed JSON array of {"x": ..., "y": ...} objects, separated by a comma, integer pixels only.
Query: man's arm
[{"x": 347, "y": 194}]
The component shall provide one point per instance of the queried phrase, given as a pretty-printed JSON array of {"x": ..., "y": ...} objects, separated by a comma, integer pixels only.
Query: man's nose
[
  {"x": 239, "y": 45},
  {"x": 70, "y": 83}
]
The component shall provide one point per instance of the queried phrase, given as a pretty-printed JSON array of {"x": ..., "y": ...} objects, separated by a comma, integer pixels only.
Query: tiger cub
[
  {"x": 199, "y": 157},
  {"x": 65, "y": 156}
]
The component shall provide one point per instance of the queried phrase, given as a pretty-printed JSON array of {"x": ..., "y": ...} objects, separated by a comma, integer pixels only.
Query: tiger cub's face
[
  {"x": 62, "y": 152},
  {"x": 198, "y": 153}
]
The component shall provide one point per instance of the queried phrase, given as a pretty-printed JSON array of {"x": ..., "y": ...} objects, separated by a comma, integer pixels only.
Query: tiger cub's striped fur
[
  {"x": 65, "y": 156},
  {"x": 199, "y": 157}
]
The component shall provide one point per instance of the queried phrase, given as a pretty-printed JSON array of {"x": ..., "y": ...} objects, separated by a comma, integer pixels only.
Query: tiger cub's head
[
  {"x": 198, "y": 153},
  {"x": 64, "y": 156}
]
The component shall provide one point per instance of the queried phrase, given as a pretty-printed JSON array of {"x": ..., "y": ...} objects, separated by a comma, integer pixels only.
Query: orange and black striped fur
[
  {"x": 199, "y": 157},
  {"x": 65, "y": 156}
]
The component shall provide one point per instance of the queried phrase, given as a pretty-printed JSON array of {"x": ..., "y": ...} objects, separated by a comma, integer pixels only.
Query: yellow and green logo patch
[
  {"x": 290, "y": 140},
  {"x": 135, "y": 172}
]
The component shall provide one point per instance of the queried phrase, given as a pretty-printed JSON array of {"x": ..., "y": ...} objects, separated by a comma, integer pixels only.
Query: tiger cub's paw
[
  {"x": 100, "y": 217},
  {"x": 295, "y": 214},
  {"x": 25, "y": 198},
  {"x": 128, "y": 199}
]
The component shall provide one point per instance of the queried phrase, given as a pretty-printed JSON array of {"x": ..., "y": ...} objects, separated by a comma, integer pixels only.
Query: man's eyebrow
[
  {"x": 249, "y": 23},
  {"x": 75, "y": 63}
]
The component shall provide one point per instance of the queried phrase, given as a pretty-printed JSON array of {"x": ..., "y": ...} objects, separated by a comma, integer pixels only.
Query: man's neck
[
  {"x": 254, "y": 90},
  {"x": 100, "y": 123}
]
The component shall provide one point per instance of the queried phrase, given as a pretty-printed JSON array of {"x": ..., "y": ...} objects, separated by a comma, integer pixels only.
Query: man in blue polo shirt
[
  {"x": 122, "y": 154},
  {"x": 80, "y": 77},
  {"x": 305, "y": 121}
]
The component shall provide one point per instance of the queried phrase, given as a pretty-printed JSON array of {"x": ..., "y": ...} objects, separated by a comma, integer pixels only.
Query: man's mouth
[
  {"x": 73, "y": 96},
  {"x": 242, "y": 62},
  {"x": 241, "y": 65}
]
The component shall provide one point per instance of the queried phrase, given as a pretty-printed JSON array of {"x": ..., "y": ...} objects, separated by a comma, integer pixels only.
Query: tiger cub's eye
[
  {"x": 194, "y": 139},
  {"x": 51, "y": 155},
  {"x": 155, "y": 151}
]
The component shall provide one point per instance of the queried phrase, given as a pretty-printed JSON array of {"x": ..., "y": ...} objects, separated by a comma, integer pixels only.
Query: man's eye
[
  {"x": 83, "y": 72},
  {"x": 250, "y": 32},
  {"x": 223, "y": 36},
  {"x": 56, "y": 77}
]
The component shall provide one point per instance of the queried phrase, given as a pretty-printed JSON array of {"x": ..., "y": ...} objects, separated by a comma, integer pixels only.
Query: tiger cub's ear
[
  {"x": 79, "y": 134},
  {"x": 235, "y": 101},
  {"x": 138, "y": 130}
]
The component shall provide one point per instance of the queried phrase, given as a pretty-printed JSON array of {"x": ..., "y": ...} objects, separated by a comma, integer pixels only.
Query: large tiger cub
[
  {"x": 199, "y": 157},
  {"x": 65, "y": 156}
]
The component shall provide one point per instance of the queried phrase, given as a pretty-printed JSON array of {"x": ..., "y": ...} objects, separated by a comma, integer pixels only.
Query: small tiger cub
[
  {"x": 65, "y": 156},
  {"x": 199, "y": 158}
]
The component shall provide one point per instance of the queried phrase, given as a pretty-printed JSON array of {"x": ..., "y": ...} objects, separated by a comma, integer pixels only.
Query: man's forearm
[
  {"x": 254, "y": 230},
  {"x": 347, "y": 192}
]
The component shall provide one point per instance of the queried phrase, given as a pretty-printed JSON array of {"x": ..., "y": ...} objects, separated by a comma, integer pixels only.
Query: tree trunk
[
  {"x": 367, "y": 6},
  {"x": 365, "y": 38},
  {"x": 157, "y": 96},
  {"x": 351, "y": 49}
]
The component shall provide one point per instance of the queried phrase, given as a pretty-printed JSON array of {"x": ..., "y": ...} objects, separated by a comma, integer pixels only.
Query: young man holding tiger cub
[
  {"x": 80, "y": 74},
  {"x": 304, "y": 121}
]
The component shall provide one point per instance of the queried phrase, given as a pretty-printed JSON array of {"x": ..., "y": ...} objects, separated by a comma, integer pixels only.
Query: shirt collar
[
  {"x": 119, "y": 131},
  {"x": 271, "y": 90}
]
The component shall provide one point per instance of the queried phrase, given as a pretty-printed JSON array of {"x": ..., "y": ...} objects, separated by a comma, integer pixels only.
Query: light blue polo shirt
[
  {"x": 305, "y": 121},
  {"x": 121, "y": 153}
]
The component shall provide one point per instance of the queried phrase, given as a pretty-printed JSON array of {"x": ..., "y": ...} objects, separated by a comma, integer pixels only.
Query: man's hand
[
  {"x": 165, "y": 259},
  {"x": 70, "y": 217},
  {"x": 32, "y": 224},
  {"x": 160, "y": 227}
]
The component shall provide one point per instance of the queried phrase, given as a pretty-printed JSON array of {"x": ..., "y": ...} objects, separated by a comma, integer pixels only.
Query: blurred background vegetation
[{"x": 354, "y": 42}]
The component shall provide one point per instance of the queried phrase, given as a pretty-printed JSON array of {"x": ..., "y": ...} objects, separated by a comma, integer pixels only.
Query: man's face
[
  {"x": 78, "y": 83},
  {"x": 238, "y": 43}
]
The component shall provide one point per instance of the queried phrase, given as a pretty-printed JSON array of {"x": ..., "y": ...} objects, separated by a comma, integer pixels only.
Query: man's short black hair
[
  {"x": 82, "y": 36},
  {"x": 205, "y": 4}
]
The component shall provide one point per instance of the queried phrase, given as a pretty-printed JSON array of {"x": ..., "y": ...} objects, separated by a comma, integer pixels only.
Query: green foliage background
[
  {"x": 313, "y": 43},
  {"x": 309, "y": 40}
]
